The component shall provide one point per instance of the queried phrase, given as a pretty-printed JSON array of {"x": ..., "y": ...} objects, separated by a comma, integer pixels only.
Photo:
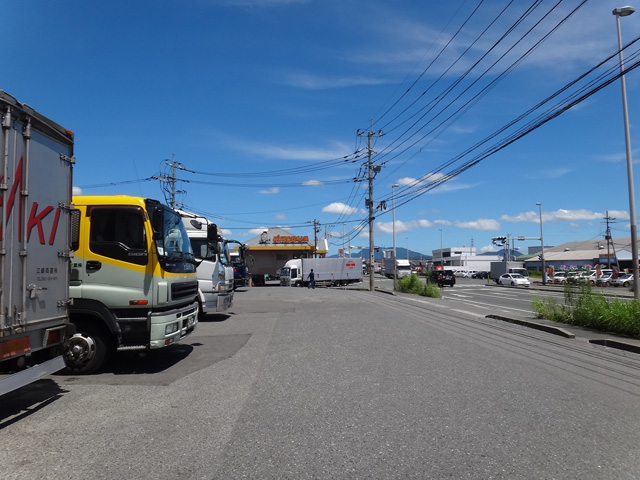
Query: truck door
[{"x": 113, "y": 264}]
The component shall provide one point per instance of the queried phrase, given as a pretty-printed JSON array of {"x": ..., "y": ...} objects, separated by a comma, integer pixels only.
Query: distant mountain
[
  {"x": 377, "y": 256},
  {"x": 503, "y": 252}
]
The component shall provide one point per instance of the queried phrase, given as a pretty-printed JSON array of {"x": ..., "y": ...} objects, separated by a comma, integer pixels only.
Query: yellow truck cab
[{"x": 133, "y": 279}]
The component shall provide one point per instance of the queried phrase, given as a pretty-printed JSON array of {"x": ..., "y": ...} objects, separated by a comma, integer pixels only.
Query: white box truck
[
  {"x": 500, "y": 268},
  {"x": 403, "y": 267},
  {"x": 35, "y": 247},
  {"x": 327, "y": 271},
  {"x": 214, "y": 270}
]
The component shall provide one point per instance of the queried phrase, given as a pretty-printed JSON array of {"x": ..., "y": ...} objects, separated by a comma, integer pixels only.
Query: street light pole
[
  {"x": 441, "y": 256},
  {"x": 624, "y": 12},
  {"x": 544, "y": 270},
  {"x": 393, "y": 209}
]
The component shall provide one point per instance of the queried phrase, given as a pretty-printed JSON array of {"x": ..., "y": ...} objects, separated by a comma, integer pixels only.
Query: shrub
[
  {"x": 410, "y": 284},
  {"x": 431, "y": 290},
  {"x": 414, "y": 285},
  {"x": 592, "y": 310}
]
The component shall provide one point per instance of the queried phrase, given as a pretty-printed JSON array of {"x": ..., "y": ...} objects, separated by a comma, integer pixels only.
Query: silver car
[{"x": 625, "y": 280}]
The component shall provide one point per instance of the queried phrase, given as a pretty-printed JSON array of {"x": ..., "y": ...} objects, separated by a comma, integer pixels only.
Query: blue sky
[{"x": 261, "y": 101}]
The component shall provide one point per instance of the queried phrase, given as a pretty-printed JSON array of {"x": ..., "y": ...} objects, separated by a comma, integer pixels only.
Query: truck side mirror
[
  {"x": 157, "y": 222},
  {"x": 212, "y": 233}
]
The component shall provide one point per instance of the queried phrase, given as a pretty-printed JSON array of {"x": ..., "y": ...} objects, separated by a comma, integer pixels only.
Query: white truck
[
  {"x": 327, "y": 271},
  {"x": 35, "y": 246},
  {"x": 403, "y": 268},
  {"x": 500, "y": 268},
  {"x": 214, "y": 271}
]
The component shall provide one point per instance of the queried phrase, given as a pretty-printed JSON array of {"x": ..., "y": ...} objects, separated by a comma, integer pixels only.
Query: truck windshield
[
  {"x": 224, "y": 254},
  {"x": 285, "y": 271},
  {"x": 236, "y": 260},
  {"x": 202, "y": 250},
  {"x": 174, "y": 244}
]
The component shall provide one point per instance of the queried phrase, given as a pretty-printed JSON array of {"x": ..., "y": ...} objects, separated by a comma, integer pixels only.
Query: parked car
[
  {"x": 470, "y": 274},
  {"x": 513, "y": 279},
  {"x": 443, "y": 277},
  {"x": 592, "y": 275},
  {"x": 623, "y": 280},
  {"x": 481, "y": 275},
  {"x": 559, "y": 278},
  {"x": 604, "y": 280},
  {"x": 572, "y": 277}
]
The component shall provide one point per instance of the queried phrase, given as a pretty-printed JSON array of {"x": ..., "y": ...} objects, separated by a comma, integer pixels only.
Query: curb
[
  {"x": 535, "y": 325},
  {"x": 628, "y": 347}
]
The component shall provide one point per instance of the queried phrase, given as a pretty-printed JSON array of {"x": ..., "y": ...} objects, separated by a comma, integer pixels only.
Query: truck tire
[{"x": 88, "y": 350}]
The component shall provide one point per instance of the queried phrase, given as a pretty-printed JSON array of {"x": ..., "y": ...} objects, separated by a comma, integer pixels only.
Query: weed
[{"x": 592, "y": 310}]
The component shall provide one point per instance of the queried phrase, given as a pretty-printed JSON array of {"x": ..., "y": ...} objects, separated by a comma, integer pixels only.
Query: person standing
[{"x": 312, "y": 279}]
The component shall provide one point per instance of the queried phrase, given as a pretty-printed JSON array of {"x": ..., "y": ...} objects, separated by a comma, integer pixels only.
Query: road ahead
[{"x": 299, "y": 383}]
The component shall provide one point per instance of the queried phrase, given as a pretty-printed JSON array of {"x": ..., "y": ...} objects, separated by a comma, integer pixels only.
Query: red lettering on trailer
[
  {"x": 35, "y": 219},
  {"x": 351, "y": 264}
]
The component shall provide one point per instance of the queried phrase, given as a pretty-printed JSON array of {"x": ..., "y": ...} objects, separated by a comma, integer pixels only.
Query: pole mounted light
[{"x": 625, "y": 12}]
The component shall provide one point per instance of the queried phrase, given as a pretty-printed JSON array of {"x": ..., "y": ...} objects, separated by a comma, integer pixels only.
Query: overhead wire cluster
[
  {"x": 485, "y": 48},
  {"x": 430, "y": 116}
]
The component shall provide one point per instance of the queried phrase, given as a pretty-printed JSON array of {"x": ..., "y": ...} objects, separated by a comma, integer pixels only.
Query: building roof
[{"x": 585, "y": 250}]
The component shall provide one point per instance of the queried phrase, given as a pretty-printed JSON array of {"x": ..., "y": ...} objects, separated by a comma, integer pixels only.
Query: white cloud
[
  {"x": 485, "y": 224},
  {"x": 288, "y": 152},
  {"x": 339, "y": 208},
  {"x": 226, "y": 232},
  {"x": 269, "y": 191},
  {"x": 312, "y": 183},
  {"x": 387, "y": 227},
  {"x": 280, "y": 216},
  {"x": 430, "y": 178},
  {"x": 316, "y": 82},
  {"x": 488, "y": 248},
  {"x": 562, "y": 215},
  {"x": 257, "y": 231},
  {"x": 548, "y": 173}
]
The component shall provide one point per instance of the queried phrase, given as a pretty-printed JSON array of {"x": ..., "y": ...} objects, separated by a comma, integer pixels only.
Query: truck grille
[{"x": 184, "y": 290}]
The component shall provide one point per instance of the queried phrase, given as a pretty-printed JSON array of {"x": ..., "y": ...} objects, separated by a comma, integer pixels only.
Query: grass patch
[
  {"x": 585, "y": 308},
  {"x": 414, "y": 285}
]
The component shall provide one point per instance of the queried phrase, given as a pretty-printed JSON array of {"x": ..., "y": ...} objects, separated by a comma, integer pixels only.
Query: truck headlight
[{"x": 171, "y": 328}]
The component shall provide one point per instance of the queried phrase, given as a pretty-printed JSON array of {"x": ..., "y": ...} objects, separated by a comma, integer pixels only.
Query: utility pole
[
  {"x": 609, "y": 240},
  {"x": 171, "y": 181},
  {"x": 315, "y": 237},
  {"x": 371, "y": 171}
]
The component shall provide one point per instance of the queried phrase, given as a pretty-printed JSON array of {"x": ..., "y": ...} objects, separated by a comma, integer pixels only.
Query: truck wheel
[{"x": 88, "y": 350}]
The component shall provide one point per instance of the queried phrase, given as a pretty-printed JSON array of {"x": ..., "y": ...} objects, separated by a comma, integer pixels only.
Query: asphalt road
[{"x": 299, "y": 383}]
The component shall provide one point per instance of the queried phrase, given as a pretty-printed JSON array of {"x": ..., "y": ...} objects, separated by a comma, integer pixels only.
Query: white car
[
  {"x": 559, "y": 278},
  {"x": 513, "y": 279}
]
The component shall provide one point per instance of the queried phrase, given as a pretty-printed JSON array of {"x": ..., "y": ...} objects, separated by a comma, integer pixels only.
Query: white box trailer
[
  {"x": 327, "y": 271},
  {"x": 35, "y": 246}
]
